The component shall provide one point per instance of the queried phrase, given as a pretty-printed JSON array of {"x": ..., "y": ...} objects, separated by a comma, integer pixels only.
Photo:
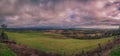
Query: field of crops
[
  {"x": 45, "y": 42},
  {"x": 5, "y": 51}
]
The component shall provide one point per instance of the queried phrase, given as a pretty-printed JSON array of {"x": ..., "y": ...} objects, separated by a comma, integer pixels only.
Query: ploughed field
[{"x": 48, "y": 42}]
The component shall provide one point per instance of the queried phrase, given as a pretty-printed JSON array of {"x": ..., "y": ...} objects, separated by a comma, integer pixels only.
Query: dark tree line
[{"x": 93, "y": 34}]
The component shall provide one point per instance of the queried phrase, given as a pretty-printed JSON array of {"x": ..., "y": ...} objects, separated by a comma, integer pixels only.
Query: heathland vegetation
[
  {"x": 115, "y": 51},
  {"x": 5, "y": 51}
]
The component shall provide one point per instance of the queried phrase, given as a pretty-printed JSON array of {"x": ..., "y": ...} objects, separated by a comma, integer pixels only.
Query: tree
[
  {"x": 3, "y": 26},
  {"x": 3, "y": 34},
  {"x": 119, "y": 30}
]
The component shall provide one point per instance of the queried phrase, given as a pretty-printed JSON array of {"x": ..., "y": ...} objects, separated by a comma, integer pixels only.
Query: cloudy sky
[{"x": 60, "y": 13}]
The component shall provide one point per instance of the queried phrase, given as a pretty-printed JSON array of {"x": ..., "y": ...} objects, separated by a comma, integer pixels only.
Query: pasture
[{"x": 45, "y": 42}]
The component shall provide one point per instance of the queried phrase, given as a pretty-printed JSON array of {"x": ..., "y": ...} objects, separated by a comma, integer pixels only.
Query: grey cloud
[
  {"x": 83, "y": 0},
  {"x": 2, "y": 19},
  {"x": 54, "y": 12},
  {"x": 7, "y": 6}
]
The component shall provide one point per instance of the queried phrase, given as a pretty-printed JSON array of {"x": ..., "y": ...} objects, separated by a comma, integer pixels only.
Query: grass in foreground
[
  {"x": 5, "y": 51},
  {"x": 115, "y": 52},
  {"x": 43, "y": 42}
]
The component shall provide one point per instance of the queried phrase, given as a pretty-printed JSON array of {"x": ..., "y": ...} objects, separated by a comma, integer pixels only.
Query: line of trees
[{"x": 91, "y": 34}]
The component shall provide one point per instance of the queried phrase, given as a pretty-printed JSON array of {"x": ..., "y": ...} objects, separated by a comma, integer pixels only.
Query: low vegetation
[
  {"x": 116, "y": 51},
  {"x": 5, "y": 51}
]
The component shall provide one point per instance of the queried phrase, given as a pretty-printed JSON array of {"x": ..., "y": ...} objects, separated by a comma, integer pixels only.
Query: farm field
[
  {"x": 45, "y": 42},
  {"x": 5, "y": 51}
]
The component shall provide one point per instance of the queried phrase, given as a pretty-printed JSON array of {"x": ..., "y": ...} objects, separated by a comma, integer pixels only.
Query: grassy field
[
  {"x": 115, "y": 52},
  {"x": 44, "y": 42},
  {"x": 5, "y": 51}
]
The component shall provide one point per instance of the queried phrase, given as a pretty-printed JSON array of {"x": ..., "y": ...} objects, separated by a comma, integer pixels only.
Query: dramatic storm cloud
[{"x": 60, "y": 13}]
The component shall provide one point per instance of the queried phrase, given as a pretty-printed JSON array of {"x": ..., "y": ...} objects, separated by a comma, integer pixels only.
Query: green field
[
  {"x": 45, "y": 42},
  {"x": 5, "y": 51},
  {"x": 116, "y": 51}
]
